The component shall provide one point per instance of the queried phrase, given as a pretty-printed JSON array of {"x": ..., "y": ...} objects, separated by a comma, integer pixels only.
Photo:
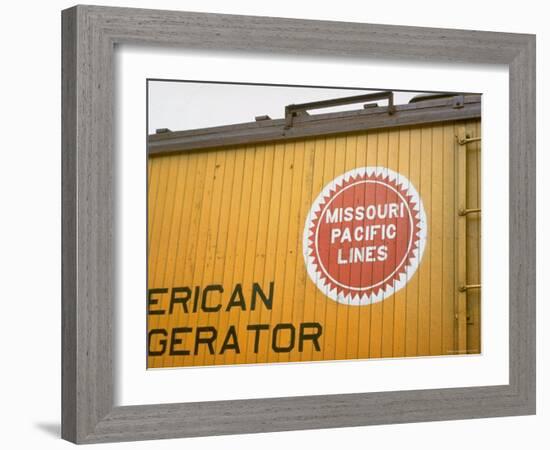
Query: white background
[
  {"x": 30, "y": 224},
  {"x": 174, "y": 104}
]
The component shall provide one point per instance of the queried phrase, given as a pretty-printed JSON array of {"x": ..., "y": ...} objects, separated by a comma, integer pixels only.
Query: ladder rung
[
  {"x": 465, "y": 212},
  {"x": 467, "y": 140},
  {"x": 467, "y": 287}
]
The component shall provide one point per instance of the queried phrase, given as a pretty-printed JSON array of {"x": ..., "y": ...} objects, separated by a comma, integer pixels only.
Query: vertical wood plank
[
  {"x": 249, "y": 241},
  {"x": 295, "y": 229},
  {"x": 317, "y": 306},
  {"x": 438, "y": 211},
  {"x": 328, "y": 309},
  {"x": 448, "y": 267},
  {"x": 411, "y": 332},
  {"x": 355, "y": 331},
  {"x": 346, "y": 145},
  {"x": 303, "y": 298},
  {"x": 235, "y": 224},
  {"x": 335, "y": 153},
  {"x": 250, "y": 348},
  {"x": 424, "y": 292},
  {"x": 181, "y": 188},
  {"x": 285, "y": 219},
  {"x": 473, "y": 237},
  {"x": 461, "y": 274},
  {"x": 210, "y": 274},
  {"x": 377, "y": 309},
  {"x": 225, "y": 240},
  {"x": 388, "y": 305},
  {"x": 205, "y": 260},
  {"x": 275, "y": 234},
  {"x": 365, "y": 318},
  {"x": 243, "y": 241},
  {"x": 402, "y": 296}
]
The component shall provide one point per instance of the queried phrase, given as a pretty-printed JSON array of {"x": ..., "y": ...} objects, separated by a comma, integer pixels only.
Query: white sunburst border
[{"x": 319, "y": 278}]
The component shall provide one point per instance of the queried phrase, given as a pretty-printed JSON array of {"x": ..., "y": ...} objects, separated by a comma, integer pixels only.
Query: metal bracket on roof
[
  {"x": 292, "y": 111},
  {"x": 458, "y": 102},
  {"x": 262, "y": 118}
]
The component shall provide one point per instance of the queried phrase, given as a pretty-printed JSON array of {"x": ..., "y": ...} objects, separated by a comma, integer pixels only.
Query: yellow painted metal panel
[{"x": 227, "y": 281}]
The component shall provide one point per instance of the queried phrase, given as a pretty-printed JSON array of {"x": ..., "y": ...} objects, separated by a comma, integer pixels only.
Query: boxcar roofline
[{"x": 452, "y": 108}]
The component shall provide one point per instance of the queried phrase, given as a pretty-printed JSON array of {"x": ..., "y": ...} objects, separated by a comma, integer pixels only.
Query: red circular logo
[{"x": 365, "y": 235}]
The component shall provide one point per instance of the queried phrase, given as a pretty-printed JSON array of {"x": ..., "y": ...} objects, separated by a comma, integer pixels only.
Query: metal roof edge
[{"x": 459, "y": 107}]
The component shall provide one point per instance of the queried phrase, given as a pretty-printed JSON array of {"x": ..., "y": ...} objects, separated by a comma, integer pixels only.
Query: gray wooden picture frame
[{"x": 89, "y": 36}]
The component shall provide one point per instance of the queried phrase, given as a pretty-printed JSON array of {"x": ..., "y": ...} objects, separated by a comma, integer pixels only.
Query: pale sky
[{"x": 189, "y": 105}]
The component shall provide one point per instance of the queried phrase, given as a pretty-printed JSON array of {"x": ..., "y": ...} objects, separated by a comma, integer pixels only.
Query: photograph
[{"x": 292, "y": 224}]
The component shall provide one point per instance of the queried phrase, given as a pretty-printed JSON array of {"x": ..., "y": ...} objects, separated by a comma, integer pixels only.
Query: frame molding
[{"x": 89, "y": 34}]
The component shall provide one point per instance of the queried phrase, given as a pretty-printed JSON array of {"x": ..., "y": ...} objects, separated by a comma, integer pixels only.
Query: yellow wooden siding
[
  {"x": 473, "y": 239},
  {"x": 236, "y": 215}
]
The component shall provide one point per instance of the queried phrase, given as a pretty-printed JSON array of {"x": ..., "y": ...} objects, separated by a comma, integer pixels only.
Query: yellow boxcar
[{"x": 336, "y": 236}]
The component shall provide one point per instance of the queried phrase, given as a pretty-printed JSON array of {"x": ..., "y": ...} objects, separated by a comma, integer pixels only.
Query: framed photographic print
[
  {"x": 295, "y": 239},
  {"x": 278, "y": 224}
]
